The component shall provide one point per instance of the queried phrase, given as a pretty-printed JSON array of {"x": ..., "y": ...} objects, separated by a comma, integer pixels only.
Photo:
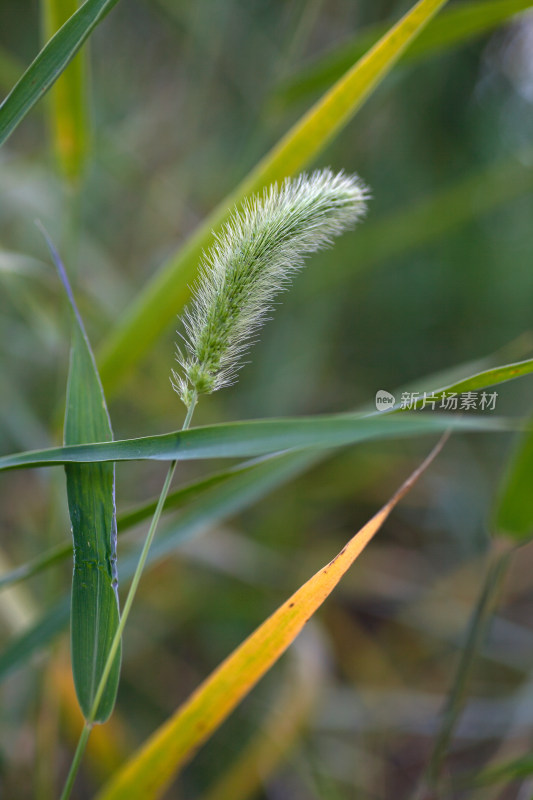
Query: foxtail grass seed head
[{"x": 252, "y": 260}]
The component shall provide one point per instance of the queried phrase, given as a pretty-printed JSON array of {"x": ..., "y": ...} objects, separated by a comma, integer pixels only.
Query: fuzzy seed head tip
[{"x": 253, "y": 258}]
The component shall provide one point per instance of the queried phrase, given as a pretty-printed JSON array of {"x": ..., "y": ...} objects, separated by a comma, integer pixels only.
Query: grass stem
[
  {"x": 76, "y": 761},
  {"x": 477, "y": 631}
]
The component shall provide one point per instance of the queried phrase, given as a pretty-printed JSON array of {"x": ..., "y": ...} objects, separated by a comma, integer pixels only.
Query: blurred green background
[{"x": 184, "y": 98}]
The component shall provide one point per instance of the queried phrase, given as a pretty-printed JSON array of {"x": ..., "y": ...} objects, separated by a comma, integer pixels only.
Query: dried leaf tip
[{"x": 253, "y": 258}]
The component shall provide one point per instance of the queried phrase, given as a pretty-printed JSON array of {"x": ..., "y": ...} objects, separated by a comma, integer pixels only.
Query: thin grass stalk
[
  {"x": 76, "y": 761},
  {"x": 477, "y": 631}
]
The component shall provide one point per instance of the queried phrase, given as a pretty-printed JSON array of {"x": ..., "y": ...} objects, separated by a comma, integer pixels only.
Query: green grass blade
[
  {"x": 267, "y": 436},
  {"x": 68, "y": 108},
  {"x": 188, "y": 493},
  {"x": 175, "y": 500},
  {"x": 91, "y": 501},
  {"x": 220, "y": 501},
  {"x": 472, "y": 371},
  {"x": 476, "y": 374},
  {"x": 159, "y": 302},
  {"x": 50, "y": 63},
  {"x": 248, "y": 439},
  {"x": 55, "y": 555},
  {"x": 90, "y": 488},
  {"x": 455, "y": 26},
  {"x": 477, "y": 631},
  {"x": 512, "y": 770},
  {"x": 39, "y": 635},
  {"x": 216, "y": 505},
  {"x": 255, "y": 438},
  {"x": 238, "y": 494},
  {"x": 513, "y": 514},
  {"x": 228, "y": 499},
  {"x": 490, "y": 377}
]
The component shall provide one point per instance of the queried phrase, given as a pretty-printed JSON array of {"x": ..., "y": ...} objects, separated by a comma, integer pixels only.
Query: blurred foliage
[{"x": 181, "y": 110}]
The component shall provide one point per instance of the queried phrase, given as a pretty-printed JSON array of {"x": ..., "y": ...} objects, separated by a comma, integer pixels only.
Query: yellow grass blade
[
  {"x": 68, "y": 107},
  {"x": 150, "y": 771},
  {"x": 280, "y": 731},
  {"x": 160, "y": 301}
]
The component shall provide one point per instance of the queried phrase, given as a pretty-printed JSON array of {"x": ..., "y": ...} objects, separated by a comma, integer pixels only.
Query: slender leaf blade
[
  {"x": 288, "y": 715},
  {"x": 513, "y": 514},
  {"x": 481, "y": 379},
  {"x": 478, "y": 627},
  {"x": 90, "y": 489},
  {"x": 38, "y": 636},
  {"x": 490, "y": 377},
  {"x": 238, "y": 493},
  {"x": 248, "y": 439},
  {"x": 91, "y": 501},
  {"x": 163, "y": 297},
  {"x": 50, "y": 63},
  {"x": 455, "y": 26},
  {"x": 175, "y": 500},
  {"x": 516, "y": 768},
  {"x": 222, "y": 502},
  {"x": 211, "y": 508}
]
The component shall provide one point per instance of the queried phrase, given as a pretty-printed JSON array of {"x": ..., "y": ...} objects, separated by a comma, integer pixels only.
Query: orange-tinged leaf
[
  {"x": 288, "y": 715},
  {"x": 151, "y": 769}
]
